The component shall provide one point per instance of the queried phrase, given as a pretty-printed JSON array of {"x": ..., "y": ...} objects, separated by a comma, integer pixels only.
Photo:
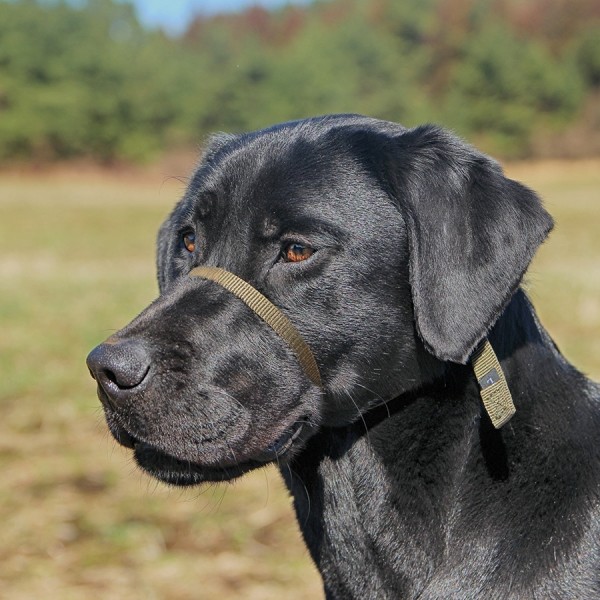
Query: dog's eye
[
  {"x": 189, "y": 241},
  {"x": 296, "y": 252}
]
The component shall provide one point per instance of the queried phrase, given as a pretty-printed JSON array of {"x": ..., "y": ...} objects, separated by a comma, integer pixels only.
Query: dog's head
[{"x": 391, "y": 250}]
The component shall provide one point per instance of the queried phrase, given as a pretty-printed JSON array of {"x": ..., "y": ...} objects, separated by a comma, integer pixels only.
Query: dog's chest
[{"x": 357, "y": 527}]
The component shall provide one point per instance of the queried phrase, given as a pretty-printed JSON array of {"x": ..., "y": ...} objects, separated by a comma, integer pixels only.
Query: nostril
[
  {"x": 111, "y": 376},
  {"x": 120, "y": 365},
  {"x": 128, "y": 377}
]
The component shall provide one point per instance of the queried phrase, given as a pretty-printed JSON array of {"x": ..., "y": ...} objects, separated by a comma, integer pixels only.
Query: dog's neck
[
  {"x": 422, "y": 479},
  {"x": 519, "y": 329},
  {"x": 517, "y": 332}
]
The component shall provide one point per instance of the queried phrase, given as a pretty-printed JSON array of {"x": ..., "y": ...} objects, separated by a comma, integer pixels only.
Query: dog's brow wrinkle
[
  {"x": 270, "y": 226},
  {"x": 206, "y": 202}
]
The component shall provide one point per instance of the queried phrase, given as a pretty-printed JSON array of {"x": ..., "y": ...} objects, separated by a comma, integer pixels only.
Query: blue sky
[{"x": 173, "y": 15}]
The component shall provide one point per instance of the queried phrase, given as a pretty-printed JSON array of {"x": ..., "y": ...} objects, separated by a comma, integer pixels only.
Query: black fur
[{"x": 402, "y": 487}]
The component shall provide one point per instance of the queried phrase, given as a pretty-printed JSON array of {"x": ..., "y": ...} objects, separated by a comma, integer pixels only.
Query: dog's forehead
[
  {"x": 289, "y": 169},
  {"x": 265, "y": 158}
]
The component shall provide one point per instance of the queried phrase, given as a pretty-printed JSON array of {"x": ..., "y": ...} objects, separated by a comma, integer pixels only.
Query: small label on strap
[
  {"x": 495, "y": 394},
  {"x": 489, "y": 378}
]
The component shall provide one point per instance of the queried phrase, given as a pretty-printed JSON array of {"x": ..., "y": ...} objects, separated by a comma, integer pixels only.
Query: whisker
[
  {"x": 228, "y": 395},
  {"x": 383, "y": 400},
  {"x": 221, "y": 498},
  {"x": 212, "y": 425},
  {"x": 362, "y": 418},
  {"x": 268, "y": 489},
  {"x": 183, "y": 179},
  {"x": 292, "y": 475}
]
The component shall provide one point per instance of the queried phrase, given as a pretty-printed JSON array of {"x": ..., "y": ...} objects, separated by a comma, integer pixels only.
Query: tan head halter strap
[
  {"x": 268, "y": 312},
  {"x": 495, "y": 394}
]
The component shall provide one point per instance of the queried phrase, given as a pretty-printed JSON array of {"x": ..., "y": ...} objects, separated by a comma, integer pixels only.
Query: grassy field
[{"x": 79, "y": 521}]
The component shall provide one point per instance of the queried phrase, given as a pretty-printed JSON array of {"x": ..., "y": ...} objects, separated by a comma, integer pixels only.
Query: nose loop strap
[{"x": 268, "y": 312}]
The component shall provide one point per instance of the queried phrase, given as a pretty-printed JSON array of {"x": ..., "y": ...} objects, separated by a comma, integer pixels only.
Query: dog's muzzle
[{"x": 268, "y": 312}]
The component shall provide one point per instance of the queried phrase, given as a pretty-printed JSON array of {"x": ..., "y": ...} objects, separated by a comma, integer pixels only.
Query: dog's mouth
[
  {"x": 174, "y": 471},
  {"x": 282, "y": 445}
]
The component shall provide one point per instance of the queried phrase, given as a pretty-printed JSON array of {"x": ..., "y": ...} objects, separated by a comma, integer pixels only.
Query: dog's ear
[{"x": 472, "y": 233}]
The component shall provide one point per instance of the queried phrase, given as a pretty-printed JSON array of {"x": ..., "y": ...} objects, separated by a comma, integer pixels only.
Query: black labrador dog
[{"x": 394, "y": 253}]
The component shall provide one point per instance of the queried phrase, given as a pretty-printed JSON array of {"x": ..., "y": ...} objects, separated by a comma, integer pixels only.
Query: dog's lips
[
  {"x": 282, "y": 444},
  {"x": 173, "y": 470},
  {"x": 274, "y": 451},
  {"x": 177, "y": 472}
]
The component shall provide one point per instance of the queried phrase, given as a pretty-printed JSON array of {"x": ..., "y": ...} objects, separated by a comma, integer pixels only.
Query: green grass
[
  {"x": 564, "y": 279},
  {"x": 79, "y": 521}
]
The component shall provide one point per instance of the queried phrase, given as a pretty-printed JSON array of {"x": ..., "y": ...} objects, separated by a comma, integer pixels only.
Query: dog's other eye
[
  {"x": 296, "y": 252},
  {"x": 189, "y": 241}
]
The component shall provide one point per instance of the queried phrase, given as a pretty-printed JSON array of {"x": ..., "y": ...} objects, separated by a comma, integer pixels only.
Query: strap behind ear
[
  {"x": 472, "y": 233},
  {"x": 495, "y": 393}
]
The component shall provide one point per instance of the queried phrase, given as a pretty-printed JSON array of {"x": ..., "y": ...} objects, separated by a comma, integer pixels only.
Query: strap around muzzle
[{"x": 268, "y": 312}]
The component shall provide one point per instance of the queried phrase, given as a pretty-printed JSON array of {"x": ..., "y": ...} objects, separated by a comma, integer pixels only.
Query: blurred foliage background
[{"x": 519, "y": 77}]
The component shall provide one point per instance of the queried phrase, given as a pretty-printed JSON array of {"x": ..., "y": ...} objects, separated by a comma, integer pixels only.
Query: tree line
[{"x": 88, "y": 80}]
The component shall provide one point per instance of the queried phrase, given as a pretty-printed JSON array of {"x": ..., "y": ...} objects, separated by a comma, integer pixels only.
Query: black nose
[{"x": 119, "y": 366}]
